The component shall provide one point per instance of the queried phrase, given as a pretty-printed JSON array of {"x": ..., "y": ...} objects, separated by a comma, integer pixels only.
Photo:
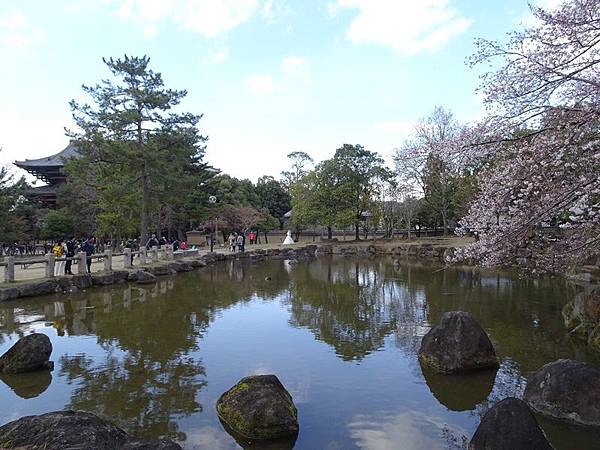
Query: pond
[{"x": 341, "y": 334}]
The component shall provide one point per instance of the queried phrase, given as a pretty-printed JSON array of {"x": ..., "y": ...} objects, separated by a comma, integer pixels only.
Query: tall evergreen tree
[{"x": 140, "y": 149}]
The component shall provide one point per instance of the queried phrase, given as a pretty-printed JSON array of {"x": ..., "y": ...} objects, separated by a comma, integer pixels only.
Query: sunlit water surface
[{"x": 341, "y": 334}]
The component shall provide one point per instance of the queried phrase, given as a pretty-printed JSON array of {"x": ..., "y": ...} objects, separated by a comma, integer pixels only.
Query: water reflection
[
  {"x": 28, "y": 385},
  {"x": 461, "y": 392},
  {"x": 343, "y": 332}
]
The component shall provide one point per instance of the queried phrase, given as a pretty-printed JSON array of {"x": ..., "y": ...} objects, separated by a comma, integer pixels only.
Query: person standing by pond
[
  {"x": 130, "y": 244},
  {"x": 59, "y": 251},
  {"x": 89, "y": 247},
  {"x": 70, "y": 244},
  {"x": 152, "y": 242},
  {"x": 232, "y": 241},
  {"x": 240, "y": 242}
]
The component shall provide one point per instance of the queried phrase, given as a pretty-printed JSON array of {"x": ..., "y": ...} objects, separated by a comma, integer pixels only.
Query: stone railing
[{"x": 49, "y": 261}]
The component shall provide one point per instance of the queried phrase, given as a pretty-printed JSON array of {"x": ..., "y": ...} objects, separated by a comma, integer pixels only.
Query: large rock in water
[
  {"x": 566, "y": 390},
  {"x": 74, "y": 430},
  {"x": 456, "y": 344},
  {"x": 28, "y": 354},
  {"x": 259, "y": 408},
  {"x": 509, "y": 425}
]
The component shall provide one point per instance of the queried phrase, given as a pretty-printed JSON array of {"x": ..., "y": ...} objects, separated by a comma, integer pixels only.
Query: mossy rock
[{"x": 259, "y": 408}]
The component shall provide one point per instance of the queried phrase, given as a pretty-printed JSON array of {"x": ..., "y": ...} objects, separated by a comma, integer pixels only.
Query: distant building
[{"x": 48, "y": 170}]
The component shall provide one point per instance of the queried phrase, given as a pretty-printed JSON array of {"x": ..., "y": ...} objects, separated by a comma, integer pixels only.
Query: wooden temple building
[{"x": 48, "y": 170}]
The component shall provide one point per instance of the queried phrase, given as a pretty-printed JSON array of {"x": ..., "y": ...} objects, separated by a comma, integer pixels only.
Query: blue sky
[{"x": 270, "y": 76}]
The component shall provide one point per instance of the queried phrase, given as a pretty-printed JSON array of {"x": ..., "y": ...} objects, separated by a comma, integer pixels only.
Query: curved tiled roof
[{"x": 57, "y": 160}]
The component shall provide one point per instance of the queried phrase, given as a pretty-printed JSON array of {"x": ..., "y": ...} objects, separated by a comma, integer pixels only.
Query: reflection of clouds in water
[
  {"x": 209, "y": 437},
  {"x": 261, "y": 369},
  {"x": 407, "y": 431}
]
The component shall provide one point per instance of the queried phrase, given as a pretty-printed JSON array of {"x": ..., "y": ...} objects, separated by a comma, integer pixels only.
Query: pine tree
[{"x": 138, "y": 149}]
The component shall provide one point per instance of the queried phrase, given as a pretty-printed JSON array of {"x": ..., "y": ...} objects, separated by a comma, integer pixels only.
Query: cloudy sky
[{"x": 270, "y": 76}]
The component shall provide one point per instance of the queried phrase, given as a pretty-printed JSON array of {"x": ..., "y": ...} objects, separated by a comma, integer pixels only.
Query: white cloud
[
  {"x": 150, "y": 31},
  {"x": 261, "y": 84},
  {"x": 220, "y": 55},
  {"x": 403, "y": 127},
  {"x": 408, "y": 27},
  {"x": 296, "y": 66},
  {"x": 207, "y": 17},
  {"x": 17, "y": 32},
  {"x": 274, "y": 10}
]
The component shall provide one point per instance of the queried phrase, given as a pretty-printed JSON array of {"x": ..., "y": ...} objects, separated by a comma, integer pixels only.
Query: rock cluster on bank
[{"x": 74, "y": 430}]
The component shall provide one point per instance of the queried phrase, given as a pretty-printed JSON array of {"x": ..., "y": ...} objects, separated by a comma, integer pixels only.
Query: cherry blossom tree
[
  {"x": 539, "y": 146},
  {"x": 425, "y": 162}
]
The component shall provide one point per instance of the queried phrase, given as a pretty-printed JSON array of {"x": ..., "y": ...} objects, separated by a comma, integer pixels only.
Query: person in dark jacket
[
  {"x": 130, "y": 244},
  {"x": 152, "y": 242},
  {"x": 70, "y": 254},
  {"x": 89, "y": 247}
]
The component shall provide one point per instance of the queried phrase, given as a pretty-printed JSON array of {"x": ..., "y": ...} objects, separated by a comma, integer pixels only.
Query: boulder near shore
[
  {"x": 30, "y": 353},
  {"x": 258, "y": 407},
  {"x": 74, "y": 430},
  {"x": 457, "y": 344},
  {"x": 566, "y": 390},
  {"x": 509, "y": 425}
]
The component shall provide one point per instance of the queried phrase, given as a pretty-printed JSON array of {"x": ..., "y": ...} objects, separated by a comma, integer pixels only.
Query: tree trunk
[
  {"x": 145, "y": 203},
  {"x": 356, "y": 231},
  {"x": 445, "y": 224},
  {"x": 329, "y": 233},
  {"x": 266, "y": 240}
]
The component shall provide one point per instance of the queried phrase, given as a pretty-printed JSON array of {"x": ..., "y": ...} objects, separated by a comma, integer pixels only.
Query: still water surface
[{"x": 341, "y": 334}]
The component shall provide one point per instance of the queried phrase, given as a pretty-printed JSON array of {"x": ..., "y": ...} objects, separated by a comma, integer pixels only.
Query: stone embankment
[{"x": 147, "y": 274}]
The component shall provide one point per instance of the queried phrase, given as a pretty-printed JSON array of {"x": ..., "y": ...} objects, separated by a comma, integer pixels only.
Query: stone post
[
  {"x": 50, "y": 261},
  {"x": 169, "y": 252},
  {"x": 127, "y": 258},
  {"x": 154, "y": 253},
  {"x": 108, "y": 260},
  {"x": 142, "y": 255},
  {"x": 9, "y": 269},
  {"x": 82, "y": 263}
]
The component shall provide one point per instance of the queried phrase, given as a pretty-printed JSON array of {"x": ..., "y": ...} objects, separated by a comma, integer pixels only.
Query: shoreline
[{"x": 47, "y": 286}]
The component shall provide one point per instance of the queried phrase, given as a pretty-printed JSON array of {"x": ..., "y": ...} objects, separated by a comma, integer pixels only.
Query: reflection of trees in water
[
  {"x": 142, "y": 395},
  {"x": 353, "y": 305},
  {"x": 149, "y": 375}
]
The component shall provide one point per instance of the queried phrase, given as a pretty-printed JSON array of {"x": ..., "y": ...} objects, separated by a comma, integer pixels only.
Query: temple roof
[{"x": 57, "y": 160}]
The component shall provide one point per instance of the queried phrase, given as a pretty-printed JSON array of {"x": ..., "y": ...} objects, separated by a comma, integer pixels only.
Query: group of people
[
  {"x": 237, "y": 242},
  {"x": 67, "y": 249}
]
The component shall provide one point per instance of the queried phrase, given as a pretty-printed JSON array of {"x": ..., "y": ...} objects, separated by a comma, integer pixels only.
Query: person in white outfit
[{"x": 288, "y": 238}]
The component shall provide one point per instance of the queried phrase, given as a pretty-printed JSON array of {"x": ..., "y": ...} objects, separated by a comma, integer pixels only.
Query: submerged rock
[
  {"x": 259, "y": 408},
  {"x": 28, "y": 354},
  {"x": 74, "y": 430},
  {"x": 456, "y": 344},
  {"x": 509, "y": 425},
  {"x": 566, "y": 390}
]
